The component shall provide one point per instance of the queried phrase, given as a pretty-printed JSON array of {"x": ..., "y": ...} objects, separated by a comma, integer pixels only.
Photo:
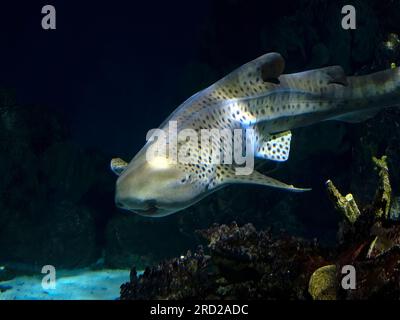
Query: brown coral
[{"x": 244, "y": 263}]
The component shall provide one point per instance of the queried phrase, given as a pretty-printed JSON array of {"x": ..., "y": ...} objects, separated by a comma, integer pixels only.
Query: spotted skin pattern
[
  {"x": 258, "y": 96},
  {"x": 244, "y": 100}
]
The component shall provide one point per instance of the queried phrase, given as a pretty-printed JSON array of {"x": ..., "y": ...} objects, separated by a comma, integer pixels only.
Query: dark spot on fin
[
  {"x": 272, "y": 68},
  {"x": 272, "y": 80}
]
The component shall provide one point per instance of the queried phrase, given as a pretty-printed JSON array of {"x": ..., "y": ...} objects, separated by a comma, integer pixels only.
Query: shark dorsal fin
[
  {"x": 272, "y": 68},
  {"x": 336, "y": 75},
  {"x": 314, "y": 80},
  {"x": 118, "y": 165},
  {"x": 253, "y": 78}
]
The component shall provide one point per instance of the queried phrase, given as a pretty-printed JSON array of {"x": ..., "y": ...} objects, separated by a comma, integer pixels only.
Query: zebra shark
[{"x": 255, "y": 96}]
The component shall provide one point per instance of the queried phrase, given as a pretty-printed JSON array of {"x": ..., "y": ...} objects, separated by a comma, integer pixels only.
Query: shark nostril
[
  {"x": 119, "y": 203},
  {"x": 151, "y": 203}
]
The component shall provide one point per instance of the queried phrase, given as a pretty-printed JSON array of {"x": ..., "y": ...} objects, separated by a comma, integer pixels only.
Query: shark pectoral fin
[
  {"x": 276, "y": 148},
  {"x": 118, "y": 165},
  {"x": 357, "y": 116},
  {"x": 230, "y": 177}
]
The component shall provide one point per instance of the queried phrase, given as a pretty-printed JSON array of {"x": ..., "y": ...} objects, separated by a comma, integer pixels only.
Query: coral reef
[
  {"x": 370, "y": 242},
  {"x": 323, "y": 284},
  {"x": 243, "y": 263},
  {"x": 186, "y": 277}
]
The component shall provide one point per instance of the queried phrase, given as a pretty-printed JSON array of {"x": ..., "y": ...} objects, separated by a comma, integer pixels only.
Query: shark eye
[{"x": 186, "y": 178}]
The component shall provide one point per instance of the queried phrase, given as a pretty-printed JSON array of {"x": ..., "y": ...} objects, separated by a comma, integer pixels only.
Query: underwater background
[{"x": 75, "y": 97}]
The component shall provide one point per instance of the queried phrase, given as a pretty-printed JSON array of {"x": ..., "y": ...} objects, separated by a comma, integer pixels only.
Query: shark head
[{"x": 155, "y": 188}]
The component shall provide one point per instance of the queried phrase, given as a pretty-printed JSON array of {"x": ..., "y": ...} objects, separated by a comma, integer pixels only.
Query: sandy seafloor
[{"x": 70, "y": 285}]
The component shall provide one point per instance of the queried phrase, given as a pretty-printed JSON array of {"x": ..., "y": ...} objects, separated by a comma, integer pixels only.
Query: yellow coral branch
[
  {"x": 346, "y": 205},
  {"x": 384, "y": 191}
]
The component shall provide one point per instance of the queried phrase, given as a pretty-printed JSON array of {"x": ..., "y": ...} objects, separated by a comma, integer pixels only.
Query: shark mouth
[{"x": 145, "y": 212}]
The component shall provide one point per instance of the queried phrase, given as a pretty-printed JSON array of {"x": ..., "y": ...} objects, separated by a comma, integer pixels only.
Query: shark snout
[{"x": 153, "y": 189}]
